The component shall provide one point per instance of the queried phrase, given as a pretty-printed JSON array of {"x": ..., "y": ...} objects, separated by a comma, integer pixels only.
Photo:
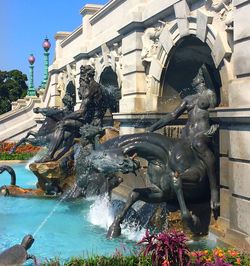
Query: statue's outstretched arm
[
  {"x": 79, "y": 113},
  {"x": 179, "y": 110},
  {"x": 51, "y": 112}
]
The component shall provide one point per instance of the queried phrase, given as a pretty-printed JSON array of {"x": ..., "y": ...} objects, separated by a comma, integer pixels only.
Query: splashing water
[
  {"x": 68, "y": 194},
  {"x": 101, "y": 214},
  {"x": 38, "y": 156},
  {"x": 101, "y": 208}
]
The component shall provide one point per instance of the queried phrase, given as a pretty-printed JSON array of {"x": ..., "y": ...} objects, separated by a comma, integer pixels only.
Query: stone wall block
[
  {"x": 239, "y": 2},
  {"x": 166, "y": 40},
  {"x": 225, "y": 203},
  {"x": 224, "y": 142},
  {"x": 242, "y": 22},
  {"x": 242, "y": 57},
  {"x": 240, "y": 215},
  {"x": 224, "y": 171},
  {"x": 132, "y": 63},
  {"x": 156, "y": 69},
  {"x": 239, "y": 144},
  {"x": 239, "y": 93},
  {"x": 182, "y": 12},
  {"x": 220, "y": 49},
  {"x": 240, "y": 181},
  {"x": 202, "y": 21},
  {"x": 132, "y": 104},
  {"x": 132, "y": 42}
]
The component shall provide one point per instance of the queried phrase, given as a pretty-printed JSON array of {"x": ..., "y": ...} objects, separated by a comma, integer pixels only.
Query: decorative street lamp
[
  {"x": 31, "y": 91},
  {"x": 46, "y": 46}
]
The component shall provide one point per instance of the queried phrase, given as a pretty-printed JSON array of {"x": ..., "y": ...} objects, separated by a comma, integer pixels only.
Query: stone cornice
[
  {"x": 231, "y": 115},
  {"x": 77, "y": 32},
  {"x": 61, "y": 35},
  {"x": 90, "y": 9},
  {"x": 132, "y": 27},
  {"x": 109, "y": 7},
  {"x": 223, "y": 116}
]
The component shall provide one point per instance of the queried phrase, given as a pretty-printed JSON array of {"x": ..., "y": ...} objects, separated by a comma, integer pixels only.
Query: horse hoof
[
  {"x": 215, "y": 206},
  {"x": 114, "y": 231}
]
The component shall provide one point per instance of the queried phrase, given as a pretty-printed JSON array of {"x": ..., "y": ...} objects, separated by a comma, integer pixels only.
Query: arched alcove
[
  {"x": 109, "y": 77},
  {"x": 109, "y": 80},
  {"x": 184, "y": 61}
]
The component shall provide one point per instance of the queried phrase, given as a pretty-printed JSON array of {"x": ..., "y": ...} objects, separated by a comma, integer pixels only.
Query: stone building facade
[{"x": 152, "y": 50}]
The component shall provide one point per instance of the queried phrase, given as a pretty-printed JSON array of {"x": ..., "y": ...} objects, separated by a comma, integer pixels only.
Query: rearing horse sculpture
[
  {"x": 53, "y": 115},
  {"x": 182, "y": 169},
  {"x": 43, "y": 135},
  {"x": 180, "y": 177}
]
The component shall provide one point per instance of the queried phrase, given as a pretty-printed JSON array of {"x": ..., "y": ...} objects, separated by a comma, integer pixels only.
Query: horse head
[{"x": 111, "y": 161}]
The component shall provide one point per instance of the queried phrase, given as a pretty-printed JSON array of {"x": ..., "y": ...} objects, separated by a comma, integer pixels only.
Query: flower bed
[
  {"x": 163, "y": 249},
  {"x": 219, "y": 257},
  {"x": 23, "y": 152}
]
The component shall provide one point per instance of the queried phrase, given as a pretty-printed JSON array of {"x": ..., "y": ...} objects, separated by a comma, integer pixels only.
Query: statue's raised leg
[
  {"x": 23, "y": 140},
  {"x": 201, "y": 146},
  {"x": 151, "y": 195},
  {"x": 64, "y": 135},
  {"x": 191, "y": 220}
]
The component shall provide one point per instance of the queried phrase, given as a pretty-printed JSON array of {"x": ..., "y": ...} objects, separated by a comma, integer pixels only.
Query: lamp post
[
  {"x": 31, "y": 91},
  {"x": 46, "y": 46}
]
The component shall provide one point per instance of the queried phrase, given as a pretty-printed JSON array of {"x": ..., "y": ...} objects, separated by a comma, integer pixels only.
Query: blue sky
[{"x": 24, "y": 25}]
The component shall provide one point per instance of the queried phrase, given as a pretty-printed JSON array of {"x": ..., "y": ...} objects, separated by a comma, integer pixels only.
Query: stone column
[
  {"x": 55, "y": 100},
  {"x": 134, "y": 78},
  {"x": 59, "y": 36},
  {"x": 87, "y": 12}
]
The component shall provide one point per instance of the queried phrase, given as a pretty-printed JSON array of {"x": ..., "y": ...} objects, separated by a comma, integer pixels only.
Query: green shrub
[
  {"x": 16, "y": 156},
  {"x": 104, "y": 261}
]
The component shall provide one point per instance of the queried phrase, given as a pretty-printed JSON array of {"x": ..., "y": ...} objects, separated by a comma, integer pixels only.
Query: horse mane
[{"x": 145, "y": 145}]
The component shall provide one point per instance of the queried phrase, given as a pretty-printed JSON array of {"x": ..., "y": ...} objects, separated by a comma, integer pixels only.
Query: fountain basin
[
  {"x": 68, "y": 232},
  {"x": 74, "y": 228}
]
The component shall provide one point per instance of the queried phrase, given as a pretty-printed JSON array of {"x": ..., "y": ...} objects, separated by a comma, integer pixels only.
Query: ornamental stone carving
[
  {"x": 225, "y": 10},
  {"x": 150, "y": 40},
  {"x": 110, "y": 57},
  {"x": 61, "y": 85},
  {"x": 116, "y": 60}
]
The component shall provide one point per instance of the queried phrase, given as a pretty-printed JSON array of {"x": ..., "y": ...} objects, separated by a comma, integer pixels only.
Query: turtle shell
[{"x": 15, "y": 255}]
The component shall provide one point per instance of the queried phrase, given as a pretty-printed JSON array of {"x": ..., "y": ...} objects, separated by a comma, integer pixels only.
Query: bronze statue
[
  {"x": 95, "y": 102},
  {"x": 17, "y": 254},
  {"x": 179, "y": 169},
  {"x": 4, "y": 189},
  {"x": 197, "y": 130},
  {"x": 52, "y": 116},
  {"x": 11, "y": 171},
  {"x": 89, "y": 181}
]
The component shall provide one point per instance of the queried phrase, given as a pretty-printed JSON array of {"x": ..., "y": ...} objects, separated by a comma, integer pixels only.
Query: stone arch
[
  {"x": 109, "y": 59},
  {"x": 109, "y": 80},
  {"x": 185, "y": 59},
  {"x": 199, "y": 26},
  {"x": 108, "y": 77}
]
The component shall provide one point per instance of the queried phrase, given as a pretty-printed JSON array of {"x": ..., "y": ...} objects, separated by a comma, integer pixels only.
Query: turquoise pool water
[
  {"x": 74, "y": 228},
  {"x": 64, "y": 229}
]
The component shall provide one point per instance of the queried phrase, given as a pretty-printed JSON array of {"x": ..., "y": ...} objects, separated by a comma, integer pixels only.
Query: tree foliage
[{"x": 12, "y": 87}]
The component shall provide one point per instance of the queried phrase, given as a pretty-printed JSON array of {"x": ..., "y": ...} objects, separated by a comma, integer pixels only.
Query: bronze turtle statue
[{"x": 17, "y": 254}]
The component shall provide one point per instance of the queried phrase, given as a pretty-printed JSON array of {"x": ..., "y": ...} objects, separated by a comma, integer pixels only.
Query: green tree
[{"x": 12, "y": 87}]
